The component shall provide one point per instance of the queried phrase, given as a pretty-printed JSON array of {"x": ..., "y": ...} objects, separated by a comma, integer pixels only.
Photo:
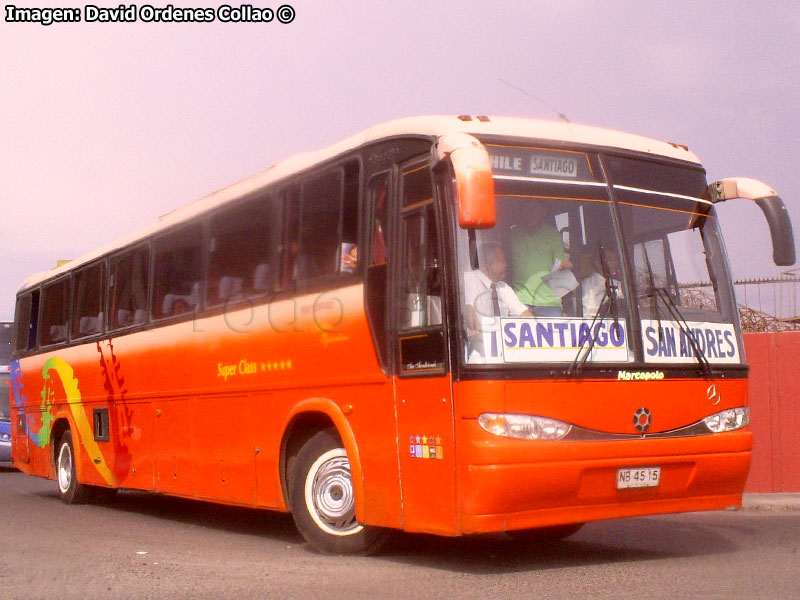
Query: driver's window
[
  {"x": 419, "y": 296},
  {"x": 421, "y": 301}
]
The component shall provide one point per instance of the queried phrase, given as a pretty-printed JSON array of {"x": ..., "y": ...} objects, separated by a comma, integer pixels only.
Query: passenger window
[
  {"x": 177, "y": 272},
  {"x": 241, "y": 245},
  {"x": 289, "y": 205},
  {"x": 55, "y": 320},
  {"x": 379, "y": 197},
  {"x": 26, "y": 321},
  {"x": 319, "y": 227},
  {"x": 377, "y": 272},
  {"x": 87, "y": 308},
  {"x": 328, "y": 225},
  {"x": 350, "y": 209},
  {"x": 128, "y": 287}
]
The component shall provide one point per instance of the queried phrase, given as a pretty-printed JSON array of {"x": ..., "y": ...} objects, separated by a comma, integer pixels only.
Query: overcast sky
[{"x": 106, "y": 126}]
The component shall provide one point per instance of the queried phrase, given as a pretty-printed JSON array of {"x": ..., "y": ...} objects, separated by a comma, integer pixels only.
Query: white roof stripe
[{"x": 657, "y": 193}]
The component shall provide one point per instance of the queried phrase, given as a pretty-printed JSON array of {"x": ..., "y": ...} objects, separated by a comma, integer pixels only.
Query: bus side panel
[{"x": 197, "y": 408}]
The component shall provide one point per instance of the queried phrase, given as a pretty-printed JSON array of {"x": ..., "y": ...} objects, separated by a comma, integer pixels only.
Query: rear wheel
[
  {"x": 322, "y": 499},
  {"x": 69, "y": 489}
]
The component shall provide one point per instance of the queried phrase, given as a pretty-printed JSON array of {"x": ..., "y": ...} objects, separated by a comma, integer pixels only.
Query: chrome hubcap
[
  {"x": 64, "y": 468},
  {"x": 329, "y": 494}
]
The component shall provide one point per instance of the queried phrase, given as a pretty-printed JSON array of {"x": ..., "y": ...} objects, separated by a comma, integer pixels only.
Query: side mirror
[
  {"x": 780, "y": 225},
  {"x": 473, "y": 173}
]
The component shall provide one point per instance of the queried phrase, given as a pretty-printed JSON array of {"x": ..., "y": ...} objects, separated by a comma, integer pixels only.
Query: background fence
[{"x": 768, "y": 304}]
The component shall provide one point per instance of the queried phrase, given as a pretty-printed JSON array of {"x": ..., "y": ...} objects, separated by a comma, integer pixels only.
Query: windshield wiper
[
  {"x": 608, "y": 304},
  {"x": 672, "y": 308},
  {"x": 655, "y": 292},
  {"x": 651, "y": 293}
]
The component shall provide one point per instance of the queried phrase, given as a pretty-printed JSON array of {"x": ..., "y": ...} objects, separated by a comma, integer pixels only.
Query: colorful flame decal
[
  {"x": 41, "y": 436},
  {"x": 85, "y": 434}
]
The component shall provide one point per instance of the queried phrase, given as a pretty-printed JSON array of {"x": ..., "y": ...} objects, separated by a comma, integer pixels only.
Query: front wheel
[
  {"x": 69, "y": 489},
  {"x": 322, "y": 499}
]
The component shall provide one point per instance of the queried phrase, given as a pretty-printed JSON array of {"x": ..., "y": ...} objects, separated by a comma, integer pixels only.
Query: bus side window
[
  {"x": 87, "y": 307},
  {"x": 241, "y": 239},
  {"x": 55, "y": 320},
  {"x": 319, "y": 226},
  {"x": 376, "y": 283},
  {"x": 349, "y": 261},
  {"x": 177, "y": 272},
  {"x": 26, "y": 321},
  {"x": 379, "y": 197},
  {"x": 289, "y": 205},
  {"x": 325, "y": 242},
  {"x": 128, "y": 288}
]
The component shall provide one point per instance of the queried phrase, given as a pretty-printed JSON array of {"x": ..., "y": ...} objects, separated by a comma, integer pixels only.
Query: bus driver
[{"x": 487, "y": 295}]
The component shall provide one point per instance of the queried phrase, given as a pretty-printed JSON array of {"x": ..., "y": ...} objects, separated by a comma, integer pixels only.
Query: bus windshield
[
  {"x": 676, "y": 252},
  {"x": 583, "y": 243}
]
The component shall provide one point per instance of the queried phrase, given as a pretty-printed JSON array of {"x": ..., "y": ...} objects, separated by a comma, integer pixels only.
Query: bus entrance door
[
  {"x": 423, "y": 387},
  {"x": 427, "y": 461}
]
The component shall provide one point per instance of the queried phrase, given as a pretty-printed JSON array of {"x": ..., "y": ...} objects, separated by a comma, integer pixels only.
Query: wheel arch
[{"x": 307, "y": 418}]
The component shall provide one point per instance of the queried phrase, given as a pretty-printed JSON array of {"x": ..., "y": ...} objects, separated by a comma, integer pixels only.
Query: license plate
[{"x": 638, "y": 478}]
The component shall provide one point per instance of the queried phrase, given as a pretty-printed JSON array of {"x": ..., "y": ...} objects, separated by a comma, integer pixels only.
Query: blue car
[
  {"x": 5, "y": 440},
  {"x": 5, "y": 413}
]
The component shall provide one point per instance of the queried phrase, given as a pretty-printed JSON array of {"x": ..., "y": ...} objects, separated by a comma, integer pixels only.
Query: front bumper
[{"x": 515, "y": 484}]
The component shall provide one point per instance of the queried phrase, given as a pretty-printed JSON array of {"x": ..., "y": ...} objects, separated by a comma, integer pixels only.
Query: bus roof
[{"x": 423, "y": 126}]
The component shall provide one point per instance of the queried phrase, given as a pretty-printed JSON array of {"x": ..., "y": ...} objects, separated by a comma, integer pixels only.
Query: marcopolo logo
[{"x": 639, "y": 375}]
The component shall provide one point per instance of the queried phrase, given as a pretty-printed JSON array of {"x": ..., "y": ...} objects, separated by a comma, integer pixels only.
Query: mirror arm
[{"x": 774, "y": 209}]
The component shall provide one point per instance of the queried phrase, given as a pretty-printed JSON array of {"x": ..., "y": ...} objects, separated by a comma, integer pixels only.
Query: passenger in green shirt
[{"x": 535, "y": 248}]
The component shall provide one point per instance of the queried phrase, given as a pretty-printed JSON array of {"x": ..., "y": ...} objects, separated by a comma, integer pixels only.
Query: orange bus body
[{"x": 209, "y": 420}]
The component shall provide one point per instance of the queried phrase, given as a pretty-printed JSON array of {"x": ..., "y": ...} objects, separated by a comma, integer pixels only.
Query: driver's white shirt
[{"x": 478, "y": 293}]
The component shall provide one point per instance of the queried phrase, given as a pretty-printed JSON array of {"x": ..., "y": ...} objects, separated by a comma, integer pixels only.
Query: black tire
[
  {"x": 322, "y": 502},
  {"x": 545, "y": 535},
  {"x": 69, "y": 489}
]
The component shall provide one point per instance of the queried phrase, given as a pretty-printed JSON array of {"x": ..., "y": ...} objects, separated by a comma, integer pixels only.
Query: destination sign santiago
[
  {"x": 532, "y": 163},
  {"x": 558, "y": 340}
]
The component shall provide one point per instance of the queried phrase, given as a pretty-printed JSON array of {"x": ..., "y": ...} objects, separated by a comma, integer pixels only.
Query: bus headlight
[
  {"x": 728, "y": 420},
  {"x": 523, "y": 427}
]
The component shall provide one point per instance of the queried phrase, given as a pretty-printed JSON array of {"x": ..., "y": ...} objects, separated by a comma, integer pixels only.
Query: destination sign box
[
  {"x": 716, "y": 341},
  {"x": 525, "y": 339},
  {"x": 532, "y": 163}
]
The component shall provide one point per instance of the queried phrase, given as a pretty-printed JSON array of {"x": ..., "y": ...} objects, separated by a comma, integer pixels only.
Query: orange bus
[{"x": 449, "y": 325}]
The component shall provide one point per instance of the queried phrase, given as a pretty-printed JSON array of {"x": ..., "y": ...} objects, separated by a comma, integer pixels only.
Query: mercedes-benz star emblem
[
  {"x": 713, "y": 396},
  {"x": 641, "y": 420}
]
